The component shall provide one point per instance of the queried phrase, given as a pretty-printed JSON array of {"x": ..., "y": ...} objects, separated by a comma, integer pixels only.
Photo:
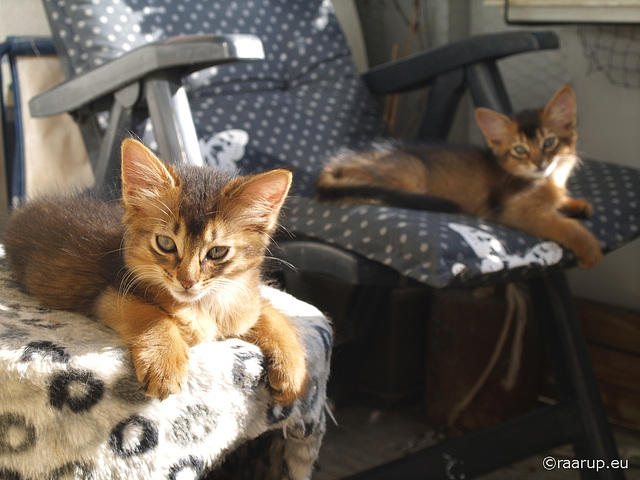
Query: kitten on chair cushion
[
  {"x": 519, "y": 181},
  {"x": 177, "y": 262}
]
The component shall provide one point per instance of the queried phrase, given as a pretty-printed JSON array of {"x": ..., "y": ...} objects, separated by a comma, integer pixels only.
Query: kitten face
[
  {"x": 189, "y": 264},
  {"x": 534, "y": 143},
  {"x": 532, "y": 152},
  {"x": 194, "y": 232}
]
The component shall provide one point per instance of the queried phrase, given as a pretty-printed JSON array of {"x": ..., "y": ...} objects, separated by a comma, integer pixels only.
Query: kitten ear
[
  {"x": 561, "y": 109},
  {"x": 494, "y": 126},
  {"x": 143, "y": 172},
  {"x": 263, "y": 195}
]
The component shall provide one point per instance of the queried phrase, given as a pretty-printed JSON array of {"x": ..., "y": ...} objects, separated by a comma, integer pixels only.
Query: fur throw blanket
[{"x": 71, "y": 406}]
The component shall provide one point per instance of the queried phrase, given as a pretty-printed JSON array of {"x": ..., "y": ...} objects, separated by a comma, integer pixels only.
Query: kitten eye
[
  {"x": 549, "y": 143},
  {"x": 217, "y": 253},
  {"x": 165, "y": 243},
  {"x": 520, "y": 150}
]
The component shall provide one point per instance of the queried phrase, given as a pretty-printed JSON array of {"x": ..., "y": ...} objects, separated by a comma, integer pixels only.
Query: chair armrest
[
  {"x": 420, "y": 69},
  {"x": 188, "y": 53},
  {"x": 311, "y": 256}
]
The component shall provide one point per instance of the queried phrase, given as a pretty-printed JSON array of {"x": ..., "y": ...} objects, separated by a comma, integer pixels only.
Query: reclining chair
[{"x": 305, "y": 100}]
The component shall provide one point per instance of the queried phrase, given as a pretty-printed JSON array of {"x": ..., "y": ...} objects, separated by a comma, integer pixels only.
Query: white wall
[{"x": 22, "y": 17}]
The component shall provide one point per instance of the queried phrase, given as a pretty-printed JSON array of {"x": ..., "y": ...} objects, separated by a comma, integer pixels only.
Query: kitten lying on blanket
[
  {"x": 176, "y": 263},
  {"x": 519, "y": 181}
]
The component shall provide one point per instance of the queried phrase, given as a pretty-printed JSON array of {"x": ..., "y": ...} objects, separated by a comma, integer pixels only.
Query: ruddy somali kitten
[
  {"x": 177, "y": 263},
  {"x": 519, "y": 181}
]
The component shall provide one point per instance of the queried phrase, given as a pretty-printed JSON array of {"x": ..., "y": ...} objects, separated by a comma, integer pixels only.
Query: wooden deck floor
[{"x": 367, "y": 436}]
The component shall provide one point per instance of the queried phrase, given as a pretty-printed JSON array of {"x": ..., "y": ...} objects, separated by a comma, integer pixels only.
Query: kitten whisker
[
  {"x": 282, "y": 229},
  {"x": 136, "y": 276},
  {"x": 280, "y": 261}
]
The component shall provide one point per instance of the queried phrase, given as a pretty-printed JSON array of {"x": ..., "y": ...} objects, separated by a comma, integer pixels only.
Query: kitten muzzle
[
  {"x": 546, "y": 169},
  {"x": 186, "y": 295},
  {"x": 187, "y": 284}
]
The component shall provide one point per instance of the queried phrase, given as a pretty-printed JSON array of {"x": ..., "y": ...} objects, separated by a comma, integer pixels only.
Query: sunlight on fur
[{"x": 178, "y": 262}]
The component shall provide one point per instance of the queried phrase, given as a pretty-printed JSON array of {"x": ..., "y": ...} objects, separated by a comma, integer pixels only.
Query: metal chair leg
[
  {"x": 579, "y": 418},
  {"x": 572, "y": 367},
  {"x": 172, "y": 120}
]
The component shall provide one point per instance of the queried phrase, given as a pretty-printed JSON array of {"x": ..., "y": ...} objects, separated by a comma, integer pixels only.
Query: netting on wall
[{"x": 613, "y": 50}]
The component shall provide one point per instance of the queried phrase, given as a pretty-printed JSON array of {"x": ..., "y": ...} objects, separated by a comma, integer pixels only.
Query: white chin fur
[
  {"x": 185, "y": 296},
  {"x": 550, "y": 168},
  {"x": 542, "y": 174}
]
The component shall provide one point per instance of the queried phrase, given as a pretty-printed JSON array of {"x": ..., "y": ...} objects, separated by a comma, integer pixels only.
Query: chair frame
[
  {"x": 151, "y": 76},
  {"x": 579, "y": 418},
  {"x": 12, "y": 48}
]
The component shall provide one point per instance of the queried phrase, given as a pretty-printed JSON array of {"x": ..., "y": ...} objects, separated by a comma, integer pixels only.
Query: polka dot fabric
[
  {"x": 303, "y": 102},
  {"x": 444, "y": 250}
]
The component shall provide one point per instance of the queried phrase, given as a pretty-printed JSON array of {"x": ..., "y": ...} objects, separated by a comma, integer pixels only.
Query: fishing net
[{"x": 613, "y": 50}]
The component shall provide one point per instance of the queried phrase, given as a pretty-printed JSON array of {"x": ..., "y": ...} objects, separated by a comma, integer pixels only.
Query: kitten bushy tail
[{"x": 382, "y": 195}]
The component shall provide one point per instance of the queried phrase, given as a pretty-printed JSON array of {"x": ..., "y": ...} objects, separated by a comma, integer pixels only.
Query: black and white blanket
[{"x": 71, "y": 406}]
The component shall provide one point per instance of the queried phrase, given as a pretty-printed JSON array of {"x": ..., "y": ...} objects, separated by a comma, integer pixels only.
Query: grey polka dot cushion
[
  {"x": 441, "y": 249},
  {"x": 304, "y": 101},
  {"x": 301, "y": 104}
]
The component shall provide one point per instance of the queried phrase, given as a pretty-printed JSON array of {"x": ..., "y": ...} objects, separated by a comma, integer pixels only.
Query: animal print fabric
[{"x": 71, "y": 406}]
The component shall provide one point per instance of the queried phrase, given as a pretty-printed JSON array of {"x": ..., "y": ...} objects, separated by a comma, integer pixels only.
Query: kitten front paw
[
  {"x": 576, "y": 208},
  {"x": 288, "y": 377},
  {"x": 162, "y": 371},
  {"x": 589, "y": 254}
]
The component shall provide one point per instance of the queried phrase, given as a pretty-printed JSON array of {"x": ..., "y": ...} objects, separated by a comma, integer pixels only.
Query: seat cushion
[
  {"x": 441, "y": 249},
  {"x": 292, "y": 109},
  {"x": 72, "y": 406}
]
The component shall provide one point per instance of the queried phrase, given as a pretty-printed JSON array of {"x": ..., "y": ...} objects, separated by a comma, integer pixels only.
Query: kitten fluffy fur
[
  {"x": 176, "y": 262},
  {"x": 519, "y": 181}
]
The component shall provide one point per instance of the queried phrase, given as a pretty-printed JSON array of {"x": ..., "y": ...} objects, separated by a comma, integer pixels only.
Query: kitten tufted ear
[
  {"x": 143, "y": 173},
  {"x": 562, "y": 109},
  {"x": 495, "y": 127},
  {"x": 261, "y": 196}
]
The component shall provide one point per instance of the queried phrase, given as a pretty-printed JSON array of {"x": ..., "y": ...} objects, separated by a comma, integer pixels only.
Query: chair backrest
[{"x": 296, "y": 107}]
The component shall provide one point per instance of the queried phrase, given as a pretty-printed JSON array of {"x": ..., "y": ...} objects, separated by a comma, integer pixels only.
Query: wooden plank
[
  {"x": 623, "y": 406},
  {"x": 613, "y": 337},
  {"x": 610, "y": 326},
  {"x": 616, "y": 368}
]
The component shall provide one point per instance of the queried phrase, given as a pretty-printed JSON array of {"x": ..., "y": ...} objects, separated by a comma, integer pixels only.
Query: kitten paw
[
  {"x": 576, "y": 208},
  {"x": 590, "y": 255},
  {"x": 162, "y": 372},
  {"x": 287, "y": 378},
  {"x": 591, "y": 260}
]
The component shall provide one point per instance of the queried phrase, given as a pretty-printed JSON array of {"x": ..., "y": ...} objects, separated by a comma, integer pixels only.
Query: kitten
[
  {"x": 175, "y": 264},
  {"x": 519, "y": 181}
]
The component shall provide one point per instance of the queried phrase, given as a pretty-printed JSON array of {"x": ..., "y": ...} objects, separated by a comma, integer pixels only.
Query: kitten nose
[{"x": 187, "y": 284}]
